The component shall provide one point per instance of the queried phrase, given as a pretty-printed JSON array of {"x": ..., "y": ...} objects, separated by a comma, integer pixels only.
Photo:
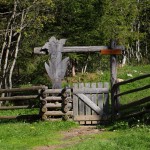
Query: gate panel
[{"x": 81, "y": 111}]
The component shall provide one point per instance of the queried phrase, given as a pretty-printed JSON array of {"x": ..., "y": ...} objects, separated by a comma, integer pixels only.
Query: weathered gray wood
[
  {"x": 58, "y": 113},
  {"x": 88, "y": 102},
  {"x": 14, "y": 107},
  {"x": 100, "y": 97},
  {"x": 134, "y": 114},
  {"x": 81, "y": 90},
  {"x": 56, "y": 105},
  {"x": 87, "y": 108},
  {"x": 13, "y": 98},
  {"x": 52, "y": 91},
  {"x": 91, "y": 90},
  {"x": 75, "y": 101},
  {"x": 38, "y": 50},
  {"x": 132, "y": 91},
  {"x": 113, "y": 69},
  {"x": 94, "y": 100},
  {"x": 136, "y": 103},
  {"x": 88, "y": 118},
  {"x": 132, "y": 80},
  {"x": 34, "y": 88},
  {"x": 53, "y": 98},
  {"x": 56, "y": 68},
  {"x": 106, "y": 99},
  {"x": 81, "y": 104}
]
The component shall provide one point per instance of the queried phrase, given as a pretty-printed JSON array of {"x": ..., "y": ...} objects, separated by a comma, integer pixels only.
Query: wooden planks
[
  {"x": 81, "y": 104},
  {"x": 90, "y": 104}
]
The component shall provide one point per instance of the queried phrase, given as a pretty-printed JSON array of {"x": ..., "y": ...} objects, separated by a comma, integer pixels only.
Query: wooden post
[{"x": 113, "y": 76}]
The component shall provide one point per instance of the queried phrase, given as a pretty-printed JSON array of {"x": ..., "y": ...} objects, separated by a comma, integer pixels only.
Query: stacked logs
[{"x": 55, "y": 104}]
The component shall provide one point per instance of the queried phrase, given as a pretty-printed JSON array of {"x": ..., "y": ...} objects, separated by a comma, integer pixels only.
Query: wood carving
[{"x": 56, "y": 67}]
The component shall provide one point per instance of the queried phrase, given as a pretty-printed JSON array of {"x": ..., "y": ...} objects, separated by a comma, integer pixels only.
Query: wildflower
[{"x": 129, "y": 75}]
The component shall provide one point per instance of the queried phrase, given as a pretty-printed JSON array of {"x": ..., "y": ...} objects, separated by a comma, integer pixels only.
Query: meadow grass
[
  {"x": 25, "y": 136},
  {"x": 136, "y": 138}
]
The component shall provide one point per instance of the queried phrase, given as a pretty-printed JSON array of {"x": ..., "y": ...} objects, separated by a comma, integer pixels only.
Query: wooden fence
[
  {"x": 56, "y": 103},
  {"x": 86, "y": 103},
  {"x": 20, "y": 98},
  {"x": 118, "y": 109}
]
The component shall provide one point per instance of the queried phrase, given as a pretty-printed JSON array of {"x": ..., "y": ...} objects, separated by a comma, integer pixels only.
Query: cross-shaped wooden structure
[{"x": 57, "y": 67}]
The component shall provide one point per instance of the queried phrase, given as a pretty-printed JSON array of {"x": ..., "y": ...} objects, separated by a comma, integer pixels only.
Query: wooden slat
[
  {"x": 16, "y": 107},
  {"x": 100, "y": 97},
  {"x": 131, "y": 80},
  {"x": 34, "y": 88},
  {"x": 136, "y": 103},
  {"x": 87, "y": 108},
  {"x": 13, "y": 98},
  {"x": 86, "y": 90},
  {"x": 88, "y": 118},
  {"x": 131, "y": 91},
  {"x": 94, "y": 100},
  {"x": 88, "y": 102},
  {"x": 106, "y": 99},
  {"x": 75, "y": 101},
  {"x": 81, "y": 104},
  {"x": 76, "y": 91}
]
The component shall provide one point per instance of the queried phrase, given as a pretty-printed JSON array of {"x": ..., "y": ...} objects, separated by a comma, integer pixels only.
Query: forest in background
[{"x": 25, "y": 24}]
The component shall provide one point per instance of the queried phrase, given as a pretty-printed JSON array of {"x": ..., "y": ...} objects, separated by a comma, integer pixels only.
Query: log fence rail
[{"x": 117, "y": 108}]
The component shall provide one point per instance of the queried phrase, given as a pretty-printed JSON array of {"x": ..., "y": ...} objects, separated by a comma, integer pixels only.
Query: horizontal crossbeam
[{"x": 77, "y": 49}]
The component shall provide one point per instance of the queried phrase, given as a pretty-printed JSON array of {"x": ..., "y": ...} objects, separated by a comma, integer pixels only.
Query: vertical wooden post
[{"x": 113, "y": 76}]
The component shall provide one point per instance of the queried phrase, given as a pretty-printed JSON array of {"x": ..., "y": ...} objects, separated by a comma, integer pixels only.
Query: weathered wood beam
[
  {"x": 131, "y": 80},
  {"x": 34, "y": 88},
  {"x": 53, "y": 98},
  {"x": 89, "y": 118},
  {"x": 131, "y": 91},
  {"x": 58, "y": 113},
  {"x": 133, "y": 104},
  {"x": 134, "y": 114},
  {"x": 16, "y": 107},
  {"x": 88, "y": 102},
  {"x": 76, "y": 91},
  {"x": 31, "y": 117},
  {"x": 74, "y": 49},
  {"x": 13, "y": 98}
]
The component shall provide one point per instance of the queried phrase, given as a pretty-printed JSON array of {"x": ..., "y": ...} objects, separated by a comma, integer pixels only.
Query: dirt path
[{"x": 72, "y": 137}]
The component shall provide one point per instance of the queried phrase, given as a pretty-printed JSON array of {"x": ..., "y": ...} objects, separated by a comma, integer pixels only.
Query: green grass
[
  {"x": 129, "y": 139},
  {"x": 25, "y": 136},
  {"x": 19, "y": 112}
]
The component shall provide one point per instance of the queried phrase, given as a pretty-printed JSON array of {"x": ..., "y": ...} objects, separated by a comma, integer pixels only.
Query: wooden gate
[{"x": 90, "y": 102}]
